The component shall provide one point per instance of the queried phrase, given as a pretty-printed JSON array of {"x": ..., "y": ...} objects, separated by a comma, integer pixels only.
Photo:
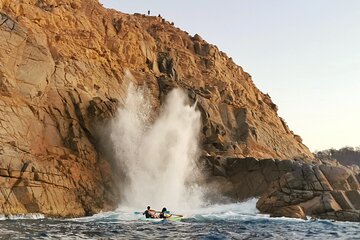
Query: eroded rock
[{"x": 322, "y": 191}]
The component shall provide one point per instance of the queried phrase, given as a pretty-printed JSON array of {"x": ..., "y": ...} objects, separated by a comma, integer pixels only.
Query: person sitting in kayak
[
  {"x": 162, "y": 214},
  {"x": 149, "y": 213}
]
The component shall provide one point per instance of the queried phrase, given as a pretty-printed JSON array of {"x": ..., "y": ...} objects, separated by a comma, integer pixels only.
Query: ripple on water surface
[{"x": 233, "y": 221}]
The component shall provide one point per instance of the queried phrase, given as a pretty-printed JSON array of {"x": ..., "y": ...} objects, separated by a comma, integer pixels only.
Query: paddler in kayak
[
  {"x": 150, "y": 213},
  {"x": 162, "y": 213}
]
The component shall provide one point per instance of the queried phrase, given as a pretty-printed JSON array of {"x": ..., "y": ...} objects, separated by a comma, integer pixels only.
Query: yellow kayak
[{"x": 169, "y": 217}]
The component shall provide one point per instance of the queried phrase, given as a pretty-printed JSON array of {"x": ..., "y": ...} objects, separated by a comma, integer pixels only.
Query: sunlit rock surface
[
  {"x": 64, "y": 69},
  {"x": 320, "y": 191}
]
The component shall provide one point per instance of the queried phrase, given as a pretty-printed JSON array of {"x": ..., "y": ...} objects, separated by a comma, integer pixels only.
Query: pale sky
[{"x": 304, "y": 53}]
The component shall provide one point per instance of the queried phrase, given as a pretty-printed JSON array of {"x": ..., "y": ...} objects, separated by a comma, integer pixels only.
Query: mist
[{"x": 157, "y": 153}]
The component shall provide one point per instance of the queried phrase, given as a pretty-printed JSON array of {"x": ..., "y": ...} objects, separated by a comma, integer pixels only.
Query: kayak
[{"x": 173, "y": 218}]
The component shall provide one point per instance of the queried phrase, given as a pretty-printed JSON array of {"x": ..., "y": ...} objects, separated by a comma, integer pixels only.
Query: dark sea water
[{"x": 234, "y": 221}]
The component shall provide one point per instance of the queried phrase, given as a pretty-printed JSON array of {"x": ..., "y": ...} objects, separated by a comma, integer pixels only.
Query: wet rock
[{"x": 290, "y": 211}]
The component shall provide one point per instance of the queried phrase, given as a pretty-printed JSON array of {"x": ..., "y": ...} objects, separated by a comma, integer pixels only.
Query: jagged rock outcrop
[
  {"x": 64, "y": 69},
  {"x": 289, "y": 188},
  {"x": 320, "y": 191}
]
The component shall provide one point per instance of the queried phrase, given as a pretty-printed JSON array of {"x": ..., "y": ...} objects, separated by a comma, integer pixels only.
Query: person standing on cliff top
[{"x": 148, "y": 12}]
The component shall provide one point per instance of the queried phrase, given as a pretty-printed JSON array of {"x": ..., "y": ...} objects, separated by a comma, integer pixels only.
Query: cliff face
[{"x": 64, "y": 68}]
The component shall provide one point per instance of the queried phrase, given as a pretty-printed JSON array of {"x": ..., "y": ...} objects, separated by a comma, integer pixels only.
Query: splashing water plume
[{"x": 158, "y": 157}]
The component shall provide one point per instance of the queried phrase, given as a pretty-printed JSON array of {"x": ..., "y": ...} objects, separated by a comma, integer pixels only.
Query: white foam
[
  {"x": 23, "y": 216},
  {"x": 239, "y": 210},
  {"x": 158, "y": 156},
  {"x": 242, "y": 211}
]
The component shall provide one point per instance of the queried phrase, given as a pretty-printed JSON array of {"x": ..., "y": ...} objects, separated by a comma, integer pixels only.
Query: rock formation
[
  {"x": 320, "y": 191},
  {"x": 64, "y": 69},
  {"x": 290, "y": 188}
]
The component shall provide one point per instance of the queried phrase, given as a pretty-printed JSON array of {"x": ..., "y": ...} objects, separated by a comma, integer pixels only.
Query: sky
[{"x": 304, "y": 53}]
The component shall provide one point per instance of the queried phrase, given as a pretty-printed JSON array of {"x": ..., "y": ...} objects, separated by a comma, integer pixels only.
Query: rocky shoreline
[{"x": 291, "y": 188}]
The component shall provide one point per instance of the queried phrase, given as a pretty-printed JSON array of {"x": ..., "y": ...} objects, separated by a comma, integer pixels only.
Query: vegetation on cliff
[{"x": 346, "y": 156}]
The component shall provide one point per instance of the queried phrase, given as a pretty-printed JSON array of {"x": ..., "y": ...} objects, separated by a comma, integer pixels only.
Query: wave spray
[{"x": 158, "y": 156}]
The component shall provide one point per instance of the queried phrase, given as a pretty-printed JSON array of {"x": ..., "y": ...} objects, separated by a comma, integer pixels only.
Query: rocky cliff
[
  {"x": 64, "y": 69},
  {"x": 322, "y": 191}
]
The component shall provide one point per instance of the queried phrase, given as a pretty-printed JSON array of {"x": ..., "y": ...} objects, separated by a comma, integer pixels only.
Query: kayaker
[
  {"x": 162, "y": 214},
  {"x": 149, "y": 213}
]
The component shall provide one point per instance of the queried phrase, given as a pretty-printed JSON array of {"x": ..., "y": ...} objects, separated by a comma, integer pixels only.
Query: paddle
[
  {"x": 167, "y": 212},
  {"x": 177, "y": 215}
]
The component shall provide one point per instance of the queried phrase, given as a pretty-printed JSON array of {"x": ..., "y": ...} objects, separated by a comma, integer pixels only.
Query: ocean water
[{"x": 231, "y": 221}]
